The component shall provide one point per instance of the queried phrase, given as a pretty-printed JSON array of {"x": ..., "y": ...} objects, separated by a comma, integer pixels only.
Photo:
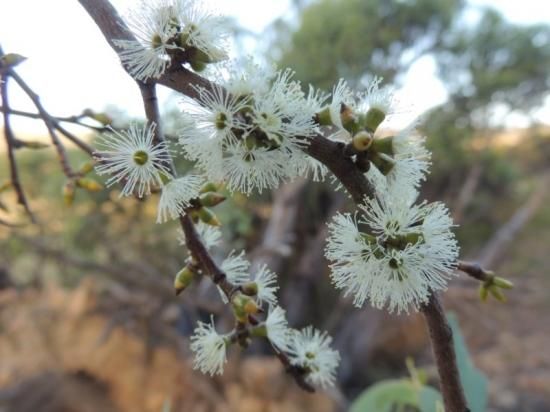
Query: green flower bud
[
  {"x": 497, "y": 293},
  {"x": 250, "y": 288},
  {"x": 86, "y": 168},
  {"x": 33, "y": 145},
  {"x": 183, "y": 279},
  {"x": 208, "y": 217},
  {"x": 384, "y": 145},
  {"x": 89, "y": 184},
  {"x": 197, "y": 65},
  {"x": 483, "y": 293},
  {"x": 11, "y": 60},
  {"x": 243, "y": 306},
  {"x": 209, "y": 187},
  {"x": 362, "y": 141},
  {"x": 502, "y": 283},
  {"x": 69, "y": 193},
  {"x": 373, "y": 119},
  {"x": 211, "y": 199},
  {"x": 323, "y": 117}
]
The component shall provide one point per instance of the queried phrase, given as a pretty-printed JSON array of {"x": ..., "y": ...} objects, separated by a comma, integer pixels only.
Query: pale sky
[{"x": 71, "y": 66}]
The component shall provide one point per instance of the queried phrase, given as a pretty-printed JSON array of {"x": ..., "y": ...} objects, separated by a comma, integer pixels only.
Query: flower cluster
[
  {"x": 309, "y": 350},
  {"x": 395, "y": 254},
  {"x": 402, "y": 159},
  {"x": 249, "y": 130},
  {"x": 171, "y": 30}
]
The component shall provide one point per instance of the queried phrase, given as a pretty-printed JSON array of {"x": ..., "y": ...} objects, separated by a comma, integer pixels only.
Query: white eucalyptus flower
[
  {"x": 236, "y": 269},
  {"x": 244, "y": 77},
  {"x": 376, "y": 97},
  {"x": 160, "y": 26},
  {"x": 310, "y": 349},
  {"x": 210, "y": 235},
  {"x": 266, "y": 281},
  {"x": 203, "y": 29},
  {"x": 407, "y": 159},
  {"x": 216, "y": 113},
  {"x": 278, "y": 332},
  {"x": 247, "y": 168},
  {"x": 254, "y": 139},
  {"x": 176, "y": 195},
  {"x": 395, "y": 255},
  {"x": 131, "y": 156},
  {"x": 153, "y": 27},
  {"x": 209, "y": 348}
]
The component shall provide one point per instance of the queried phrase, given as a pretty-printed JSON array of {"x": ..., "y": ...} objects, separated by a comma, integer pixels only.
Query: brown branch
[
  {"x": 56, "y": 123},
  {"x": 64, "y": 119},
  {"x": 441, "y": 336},
  {"x": 11, "y": 145},
  {"x": 61, "y": 152},
  {"x": 475, "y": 270}
]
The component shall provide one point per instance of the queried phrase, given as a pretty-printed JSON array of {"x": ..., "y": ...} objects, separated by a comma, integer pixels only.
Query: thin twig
[
  {"x": 10, "y": 142},
  {"x": 474, "y": 270},
  {"x": 61, "y": 152},
  {"x": 56, "y": 122},
  {"x": 67, "y": 119},
  {"x": 441, "y": 336}
]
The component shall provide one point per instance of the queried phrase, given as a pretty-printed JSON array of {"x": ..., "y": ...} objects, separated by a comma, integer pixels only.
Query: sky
[{"x": 72, "y": 68}]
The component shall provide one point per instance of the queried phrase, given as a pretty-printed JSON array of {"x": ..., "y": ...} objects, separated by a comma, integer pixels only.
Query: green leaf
[
  {"x": 384, "y": 395},
  {"x": 473, "y": 381},
  {"x": 388, "y": 395},
  {"x": 428, "y": 399}
]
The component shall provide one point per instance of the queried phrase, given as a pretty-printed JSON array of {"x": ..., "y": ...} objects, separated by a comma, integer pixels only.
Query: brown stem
[
  {"x": 11, "y": 145},
  {"x": 441, "y": 336},
  {"x": 64, "y": 119},
  {"x": 61, "y": 152},
  {"x": 474, "y": 270}
]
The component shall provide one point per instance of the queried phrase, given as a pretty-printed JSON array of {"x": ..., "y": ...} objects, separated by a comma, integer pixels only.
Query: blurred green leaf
[
  {"x": 473, "y": 381},
  {"x": 387, "y": 395}
]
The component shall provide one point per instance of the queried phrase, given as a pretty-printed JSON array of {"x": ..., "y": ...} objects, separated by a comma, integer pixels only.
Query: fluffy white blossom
[
  {"x": 131, "y": 157},
  {"x": 266, "y": 281},
  {"x": 278, "y": 332},
  {"x": 176, "y": 195},
  {"x": 210, "y": 235},
  {"x": 244, "y": 77},
  {"x": 310, "y": 349},
  {"x": 349, "y": 107},
  {"x": 395, "y": 254},
  {"x": 151, "y": 24},
  {"x": 252, "y": 138},
  {"x": 246, "y": 169},
  {"x": 407, "y": 159},
  {"x": 162, "y": 26},
  {"x": 209, "y": 349},
  {"x": 202, "y": 28},
  {"x": 376, "y": 97},
  {"x": 236, "y": 269},
  {"x": 342, "y": 97}
]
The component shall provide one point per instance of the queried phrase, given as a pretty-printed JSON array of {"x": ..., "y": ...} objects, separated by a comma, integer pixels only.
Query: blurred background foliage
[{"x": 493, "y": 178}]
